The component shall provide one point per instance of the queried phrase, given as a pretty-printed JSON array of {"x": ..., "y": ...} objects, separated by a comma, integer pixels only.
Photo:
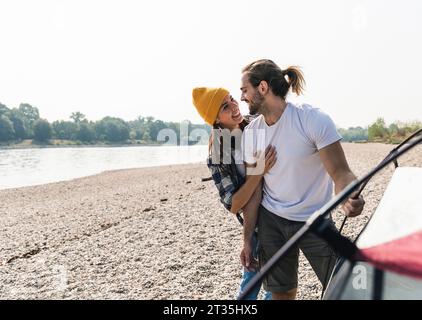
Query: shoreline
[
  {"x": 73, "y": 146},
  {"x": 17, "y": 147},
  {"x": 103, "y": 172}
]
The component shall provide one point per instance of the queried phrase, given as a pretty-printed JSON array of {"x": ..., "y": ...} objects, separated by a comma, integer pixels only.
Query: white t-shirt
[
  {"x": 298, "y": 184},
  {"x": 238, "y": 158}
]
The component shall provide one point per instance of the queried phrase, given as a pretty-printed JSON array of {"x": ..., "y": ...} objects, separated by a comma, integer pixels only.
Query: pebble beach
[{"x": 149, "y": 233}]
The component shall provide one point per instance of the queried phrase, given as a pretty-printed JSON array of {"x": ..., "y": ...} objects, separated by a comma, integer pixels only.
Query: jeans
[{"x": 248, "y": 275}]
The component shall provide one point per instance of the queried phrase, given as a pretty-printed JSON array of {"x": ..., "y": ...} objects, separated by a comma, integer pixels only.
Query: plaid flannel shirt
[{"x": 227, "y": 180}]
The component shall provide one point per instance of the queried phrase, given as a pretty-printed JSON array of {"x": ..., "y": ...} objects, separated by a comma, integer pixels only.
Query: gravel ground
[{"x": 151, "y": 233}]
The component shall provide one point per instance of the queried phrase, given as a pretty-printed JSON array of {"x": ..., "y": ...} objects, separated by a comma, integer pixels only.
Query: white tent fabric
[{"x": 399, "y": 213}]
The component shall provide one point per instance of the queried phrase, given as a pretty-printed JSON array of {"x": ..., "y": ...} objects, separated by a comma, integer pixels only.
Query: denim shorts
[{"x": 274, "y": 232}]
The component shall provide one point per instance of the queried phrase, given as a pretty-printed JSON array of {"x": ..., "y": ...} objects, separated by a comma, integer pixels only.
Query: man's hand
[
  {"x": 247, "y": 258},
  {"x": 353, "y": 207},
  {"x": 335, "y": 163}
]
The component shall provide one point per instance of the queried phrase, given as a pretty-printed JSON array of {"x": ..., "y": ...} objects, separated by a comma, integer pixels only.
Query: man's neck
[{"x": 274, "y": 111}]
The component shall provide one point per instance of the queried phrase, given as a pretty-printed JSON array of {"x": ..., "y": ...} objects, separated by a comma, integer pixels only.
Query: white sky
[{"x": 361, "y": 59}]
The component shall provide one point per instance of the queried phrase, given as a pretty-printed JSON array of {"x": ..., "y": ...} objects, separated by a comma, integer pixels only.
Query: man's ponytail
[
  {"x": 267, "y": 70},
  {"x": 296, "y": 80}
]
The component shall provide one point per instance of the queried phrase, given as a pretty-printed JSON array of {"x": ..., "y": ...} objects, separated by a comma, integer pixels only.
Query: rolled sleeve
[{"x": 321, "y": 129}]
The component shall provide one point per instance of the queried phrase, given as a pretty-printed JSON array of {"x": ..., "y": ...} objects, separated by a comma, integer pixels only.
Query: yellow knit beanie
[{"x": 208, "y": 102}]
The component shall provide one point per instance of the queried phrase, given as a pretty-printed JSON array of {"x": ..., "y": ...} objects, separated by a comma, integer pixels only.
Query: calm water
[{"x": 28, "y": 167}]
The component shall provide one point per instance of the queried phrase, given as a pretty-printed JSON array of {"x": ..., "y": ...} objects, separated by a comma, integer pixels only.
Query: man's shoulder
[
  {"x": 304, "y": 108},
  {"x": 307, "y": 112}
]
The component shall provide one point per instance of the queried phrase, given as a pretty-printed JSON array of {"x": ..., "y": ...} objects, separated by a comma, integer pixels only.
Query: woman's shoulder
[
  {"x": 253, "y": 120},
  {"x": 249, "y": 118}
]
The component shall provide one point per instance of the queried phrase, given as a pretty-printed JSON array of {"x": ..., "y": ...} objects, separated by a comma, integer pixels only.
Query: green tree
[
  {"x": 176, "y": 128},
  {"x": 377, "y": 130},
  {"x": 415, "y": 125},
  {"x": 31, "y": 113},
  {"x": 112, "y": 129},
  {"x": 132, "y": 135},
  {"x": 42, "y": 130},
  {"x": 19, "y": 126},
  {"x": 138, "y": 134},
  {"x": 140, "y": 120},
  {"x": 65, "y": 130},
  {"x": 146, "y": 136},
  {"x": 6, "y": 129},
  {"x": 77, "y": 117},
  {"x": 155, "y": 127},
  {"x": 86, "y": 132},
  {"x": 4, "y": 111}
]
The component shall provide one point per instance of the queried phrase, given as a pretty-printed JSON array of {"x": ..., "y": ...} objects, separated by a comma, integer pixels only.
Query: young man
[{"x": 310, "y": 159}]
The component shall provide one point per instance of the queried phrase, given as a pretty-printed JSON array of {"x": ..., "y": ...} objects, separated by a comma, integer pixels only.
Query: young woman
[{"x": 218, "y": 108}]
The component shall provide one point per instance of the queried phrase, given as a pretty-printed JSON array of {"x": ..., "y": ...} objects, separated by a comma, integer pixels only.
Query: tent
[{"x": 388, "y": 264}]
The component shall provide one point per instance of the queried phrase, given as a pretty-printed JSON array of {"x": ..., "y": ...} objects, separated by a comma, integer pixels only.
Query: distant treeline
[
  {"x": 380, "y": 132},
  {"x": 24, "y": 122},
  {"x": 354, "y": 134},
  {"x": 393, "y": 133}
]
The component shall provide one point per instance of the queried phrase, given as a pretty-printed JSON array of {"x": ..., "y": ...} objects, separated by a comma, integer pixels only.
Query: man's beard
[{"x": 255, "y": 105}]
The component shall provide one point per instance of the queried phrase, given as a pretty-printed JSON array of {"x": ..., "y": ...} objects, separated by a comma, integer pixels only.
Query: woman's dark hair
[
  {"x": 267, "y": 70},
  {"x": 217, "y": 126}
]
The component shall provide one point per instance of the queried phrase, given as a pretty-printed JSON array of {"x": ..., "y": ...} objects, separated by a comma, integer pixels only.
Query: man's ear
[{"x": 263, "y": 87}]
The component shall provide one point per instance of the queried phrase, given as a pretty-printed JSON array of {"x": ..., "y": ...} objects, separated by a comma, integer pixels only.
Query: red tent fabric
[{"x": 403, "y": 255}]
